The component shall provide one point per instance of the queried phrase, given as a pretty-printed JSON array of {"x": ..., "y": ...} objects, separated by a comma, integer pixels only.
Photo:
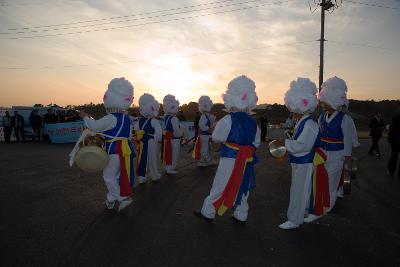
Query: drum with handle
[{"x": 91, "y": 156}]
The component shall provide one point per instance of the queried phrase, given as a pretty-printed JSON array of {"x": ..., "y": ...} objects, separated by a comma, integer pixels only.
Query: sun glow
[{"x": 174, "y": 74}]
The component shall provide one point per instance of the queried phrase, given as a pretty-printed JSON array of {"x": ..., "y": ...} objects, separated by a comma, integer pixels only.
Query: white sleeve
[
  {"x": 355, "y": 141},
  {"x": 348, "y": 135},
  {"x": 222, "y": 129},
  {"x": 106, "y": 123},
  {"x": 157, "y": 130},
  {"x": 136, "y": 126},
  {"x": 305, "y": 141},
  {"x": 175, "y": 126},
  {"x": 212, "y": 118},
  {"x": 257, "y": 139},
  {"x": 203, "y": 123}
]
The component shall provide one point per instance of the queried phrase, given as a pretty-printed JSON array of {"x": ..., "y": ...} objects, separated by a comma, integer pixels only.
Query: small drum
[
  {"x": 91, "y": 156},
  {"x": 354, "y": 167},
  {"x": 347, "y": 178},
  {"x": 276, "y": 151}
]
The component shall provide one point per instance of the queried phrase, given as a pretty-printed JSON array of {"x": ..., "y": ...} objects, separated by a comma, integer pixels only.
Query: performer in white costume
[
  {"x": 201, "y": 151},
  {"x": 337, "y": 132},
  {"x": 301, "y": 100},
  {"x": 116, "y": 127},
  {"x": 240, "y": 136},
  {"x": 355, "y": 142},
  {"x": 172, "y": 134},
  {"x": 148, "y": 135}
]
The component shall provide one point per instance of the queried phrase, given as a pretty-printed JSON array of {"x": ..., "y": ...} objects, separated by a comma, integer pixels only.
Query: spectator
[
  {"x": 36, "y": 124},
  {"x": 72, "y": 116},
  {"x": 376, "y": 125},
  {"x": 394, "y": 141},
  {"x": 17, "y": 122},
  {"x": 60, "y": 116},
  {"x": 7, "y": 127},
  {"x": 264, "y": 127},
  {"x": 49, "y": 117},
  {"x": 196, "y": 123},
  {"x": 181, "y": 116}
]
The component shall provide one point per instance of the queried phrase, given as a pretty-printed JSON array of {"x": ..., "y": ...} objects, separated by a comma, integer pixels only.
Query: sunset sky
[{"x": 66, "y": 52}]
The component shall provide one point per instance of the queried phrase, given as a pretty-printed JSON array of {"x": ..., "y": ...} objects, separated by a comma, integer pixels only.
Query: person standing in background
[
  {"x": 49, "y": 117},
  {"x": 196, "y": 124},
  {"x": 394, "y": 141},
  {"x": 7, "y": 127},
  {"x": 289, "y": 124},
  {"x": 36, "y": 123},
  {"x": 17, "y": 122},
  {"x": 376, "y": 125},
  {"x": 264, "y": 127}
]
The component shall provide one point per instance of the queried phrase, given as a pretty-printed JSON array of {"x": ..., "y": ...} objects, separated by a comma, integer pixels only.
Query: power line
[
  {"x": 119, "y": 17},
  {"x": 36, "y": 3},
  {"x": 145, "y": 60},
  {"x": 373, "y": 5},
  {"x": 200, "y": 54},
  {"x": 365, "y": 45},
  {"x": 147, "y": 23},
  {"x": 126, "y": 20}
]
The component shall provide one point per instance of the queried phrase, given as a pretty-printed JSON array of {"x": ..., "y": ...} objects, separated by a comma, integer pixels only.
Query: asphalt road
[{"x": 53, "y": 215}]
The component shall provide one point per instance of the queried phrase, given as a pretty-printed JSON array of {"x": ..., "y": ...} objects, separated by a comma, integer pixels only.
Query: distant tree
[{"x": 38, "y": 106}]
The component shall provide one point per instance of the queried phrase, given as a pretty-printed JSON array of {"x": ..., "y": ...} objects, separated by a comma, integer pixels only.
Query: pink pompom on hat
[
  {"x": 148, "y": 106},
  {"x": 119, "y": 94},
  {"x": 205, "y": 104},
  {"x": 241, "y": 94},
  {"x": 301, "y": 98}
]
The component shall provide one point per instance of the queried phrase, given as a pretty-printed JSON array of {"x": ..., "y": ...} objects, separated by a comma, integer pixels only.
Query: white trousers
[
  {"x": 152, "y": 161},
  {"x": 205, "y": 151},
  {"x": 222, "y": 176},
  {"x": 300, "y": 191},
  {"x": 176, "y": 149},
  {"x": 111, "y": 175},
  {"x": 334, "y": 167}
]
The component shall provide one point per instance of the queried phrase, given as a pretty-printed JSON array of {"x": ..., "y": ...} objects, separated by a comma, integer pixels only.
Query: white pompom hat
[
  {"x": 119, "y": 94},
  {"x": 301, "y": 98},
  {"x": 334, "y": 93},
  {"x": 241, "y": 94},
  {"x": 170, "y": 104},
  {"x": 148, "y": 105},
  {"x": 205, "y": 104}
]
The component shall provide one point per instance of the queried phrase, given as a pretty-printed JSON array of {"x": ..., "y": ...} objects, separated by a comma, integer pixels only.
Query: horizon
[
  {"x": 191, "y": 52},
  {"x": 180, "y": 104}
]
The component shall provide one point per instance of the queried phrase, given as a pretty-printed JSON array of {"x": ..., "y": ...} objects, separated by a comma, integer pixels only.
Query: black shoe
[
  {"x": 236, "y": 220},
  {"x": 201, "y": 216}
]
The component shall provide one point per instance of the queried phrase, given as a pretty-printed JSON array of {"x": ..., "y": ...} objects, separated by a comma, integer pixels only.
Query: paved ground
[{"x": 52, "y": 215}]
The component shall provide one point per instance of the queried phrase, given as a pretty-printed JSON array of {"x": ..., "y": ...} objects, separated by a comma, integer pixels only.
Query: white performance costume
[
  {"x": 148, "y": 135},
  {"x": 201, "y": 150},
  {"x": 237, "y": 132},
  {"x": 172, "y": 134},
  {"x": 338, "y": 133},
  {"x": 301, "y": 99},
  {"x": 116, "y": 127}
]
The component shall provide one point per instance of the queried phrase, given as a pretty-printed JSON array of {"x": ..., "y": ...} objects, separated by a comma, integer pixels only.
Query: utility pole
[{"x": 325, "y": 5}]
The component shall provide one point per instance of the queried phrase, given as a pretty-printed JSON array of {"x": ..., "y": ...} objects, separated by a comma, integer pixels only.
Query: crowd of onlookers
[{"x": 16, "y": 122}]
